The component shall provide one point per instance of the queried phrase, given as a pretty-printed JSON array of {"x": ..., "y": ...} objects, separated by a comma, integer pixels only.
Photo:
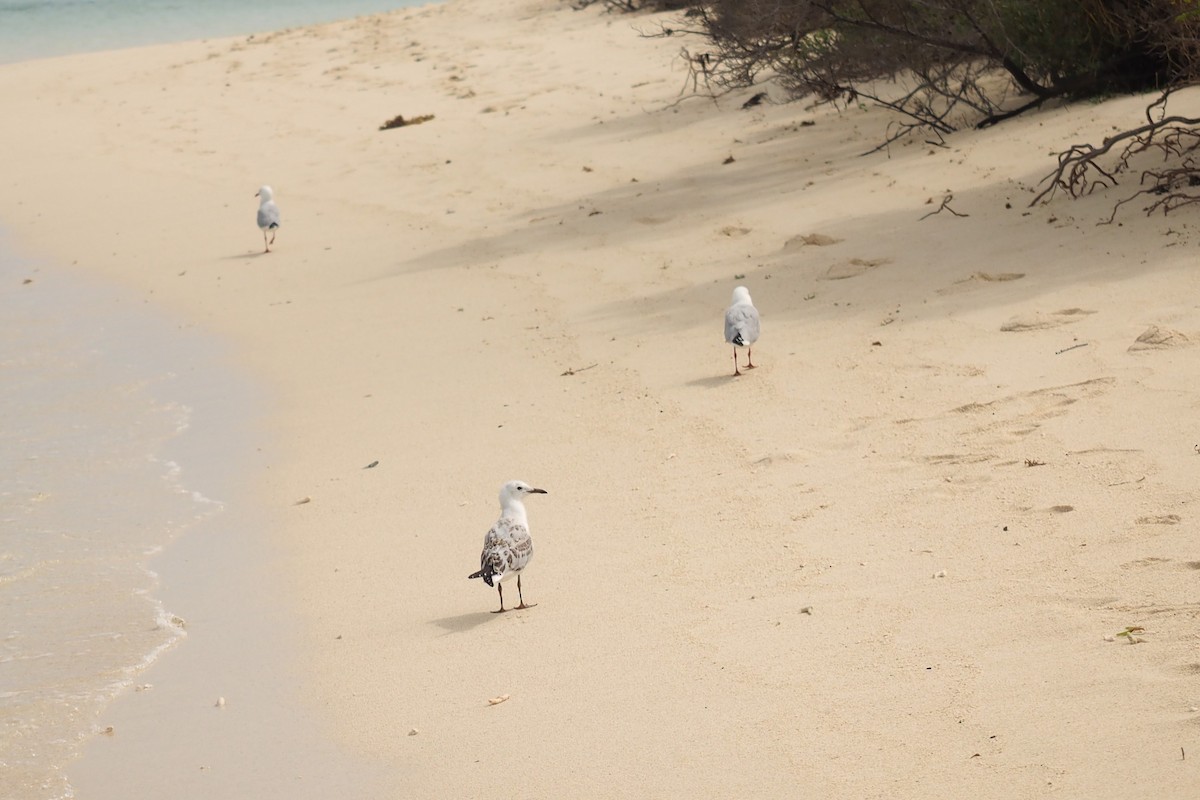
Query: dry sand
[{"x": 890, "y": 562}]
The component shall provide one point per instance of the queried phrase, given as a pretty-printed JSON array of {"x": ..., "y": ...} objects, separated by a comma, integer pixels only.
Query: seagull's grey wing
[
  {"x": 741, "y": 325},
  {"x": 268, "y": 216}
]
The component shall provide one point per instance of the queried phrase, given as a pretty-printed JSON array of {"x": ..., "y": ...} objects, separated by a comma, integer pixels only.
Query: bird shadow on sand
[
  {"x": 712, "y": 382},
  {"x": 244, "y": 256},
  {"x": 465, "y": 622}
]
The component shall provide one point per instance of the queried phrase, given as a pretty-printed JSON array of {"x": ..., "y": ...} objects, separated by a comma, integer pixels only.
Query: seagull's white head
[
  {"x": 741, "y": 295},
  {"x": 516, "y": 490},
  {"x": 266, "y": 193}
]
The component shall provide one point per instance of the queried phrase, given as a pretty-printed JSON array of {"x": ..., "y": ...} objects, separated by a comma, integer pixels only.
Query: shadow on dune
[{"x": 898, "y": 261}]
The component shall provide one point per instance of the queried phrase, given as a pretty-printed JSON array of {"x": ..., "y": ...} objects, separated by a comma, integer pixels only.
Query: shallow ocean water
[
  {"x": 114, "y": 424},
  {"x": 45, "y": 28}
]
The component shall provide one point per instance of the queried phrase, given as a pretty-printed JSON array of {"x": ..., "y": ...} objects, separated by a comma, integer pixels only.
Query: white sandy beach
[{"x": 889, "y": 562}]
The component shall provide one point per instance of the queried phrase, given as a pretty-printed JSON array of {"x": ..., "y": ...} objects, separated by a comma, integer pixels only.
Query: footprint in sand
[
  {"x": 980, "y": 279},
  {"x": 940, "y": 459},
  {"x": 1156, "y": 338},
  {"x": 852, "y": 268},
  {"x": 1149, "y": 561},
  {"x": 1040, "y": 321},
  {"x": 1160, "y": 519},
  {"x": 808, "y": 240},
  {"x": 1008, "y": 419}
]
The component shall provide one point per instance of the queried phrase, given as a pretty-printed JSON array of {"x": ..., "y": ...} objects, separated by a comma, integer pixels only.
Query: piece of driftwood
[{"x": 399, "y": 121}]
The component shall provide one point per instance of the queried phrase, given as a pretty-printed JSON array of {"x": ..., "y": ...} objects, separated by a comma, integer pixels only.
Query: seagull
[
  {"x": 507, "y": 547},
  {"x": 741, "y": 326},
  {"x": 268, "y": 215}
]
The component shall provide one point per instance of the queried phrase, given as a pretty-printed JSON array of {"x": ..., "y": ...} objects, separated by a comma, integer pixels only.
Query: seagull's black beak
[{"x": 538, "y": 491}]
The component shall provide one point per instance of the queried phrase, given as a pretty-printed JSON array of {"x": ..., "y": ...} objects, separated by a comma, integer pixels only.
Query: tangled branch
[{"x": 1083, "y": 168}]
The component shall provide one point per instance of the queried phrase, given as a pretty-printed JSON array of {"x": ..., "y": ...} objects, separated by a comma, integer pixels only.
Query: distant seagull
[
  {"x": 268, "y": 215},
  {"x": 741, "y": 326},
  {"x": 507, "y": 547}
]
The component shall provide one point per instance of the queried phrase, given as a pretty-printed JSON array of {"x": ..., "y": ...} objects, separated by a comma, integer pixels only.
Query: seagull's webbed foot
[{"x": 527, "y": 605}]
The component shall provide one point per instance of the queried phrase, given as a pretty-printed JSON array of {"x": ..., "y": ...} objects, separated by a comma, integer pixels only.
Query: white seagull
[
  {"x": 268, "y": 215},
  {"x": 507, "y": 547},
  {"x": 741, "y": 326}
]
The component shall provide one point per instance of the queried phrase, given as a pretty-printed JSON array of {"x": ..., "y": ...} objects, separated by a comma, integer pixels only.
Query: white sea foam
[{"x": 164, "y": 621}]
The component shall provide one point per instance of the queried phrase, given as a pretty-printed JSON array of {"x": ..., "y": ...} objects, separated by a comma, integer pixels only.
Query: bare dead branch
[
  {"x": 945, "y": 206},
  {"x": 1078, "y": 165}
]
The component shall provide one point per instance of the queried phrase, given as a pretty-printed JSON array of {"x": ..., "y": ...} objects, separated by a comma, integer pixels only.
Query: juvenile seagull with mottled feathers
[
  {"x": 507, "y": 547},
  {"x": 741, "y": 326}
]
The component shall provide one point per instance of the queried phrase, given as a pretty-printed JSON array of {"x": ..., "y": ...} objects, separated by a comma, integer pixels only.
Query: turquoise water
[{"x": 43, "y": 28}]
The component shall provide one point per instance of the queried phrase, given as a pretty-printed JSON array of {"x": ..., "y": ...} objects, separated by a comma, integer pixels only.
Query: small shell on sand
[
  {"x": 413, "y": 731},
  {"x": 220, "y": 702},
  {"x": 498, "y": 700}
]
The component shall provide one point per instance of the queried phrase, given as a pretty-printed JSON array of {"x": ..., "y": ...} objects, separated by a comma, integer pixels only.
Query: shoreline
[
  {"x": 892, "y": 560},
  {"x": 207, "y": 559},
  {"x": 99, "y": 28},
  {"x": 230, "y": 709},
  {"x": 125, "y": 436}
]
